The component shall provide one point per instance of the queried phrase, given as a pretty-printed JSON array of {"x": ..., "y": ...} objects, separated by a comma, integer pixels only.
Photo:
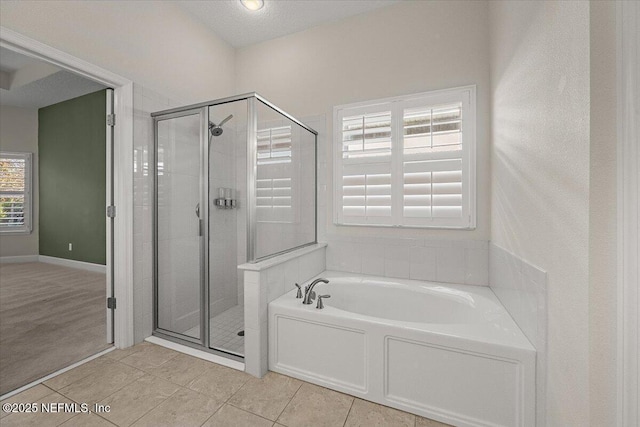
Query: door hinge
[
  {"x": 111, "y": 119},
  {"x": 111, "y": 211},
  {"x": 111, "y": 303}
]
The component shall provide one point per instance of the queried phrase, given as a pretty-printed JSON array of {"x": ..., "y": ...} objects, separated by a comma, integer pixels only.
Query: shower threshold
[
  {"x": 201, "y": 354},
  {"x": 225, "y": 331}
]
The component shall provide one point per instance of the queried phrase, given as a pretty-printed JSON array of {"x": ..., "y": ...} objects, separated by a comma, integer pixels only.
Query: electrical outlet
[{"x": 70, "y": 247}]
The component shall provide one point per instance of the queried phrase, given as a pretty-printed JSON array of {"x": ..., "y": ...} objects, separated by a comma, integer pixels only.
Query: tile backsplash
[{"x": 451, "y": 261}]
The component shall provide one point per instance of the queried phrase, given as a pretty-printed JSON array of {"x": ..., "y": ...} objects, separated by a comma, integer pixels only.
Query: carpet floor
[{"x": 50, "y": 317}]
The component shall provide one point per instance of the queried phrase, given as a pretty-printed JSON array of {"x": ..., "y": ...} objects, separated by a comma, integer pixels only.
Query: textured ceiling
[
  {"x": 13, "y": 61},
  {"x": 54, "y": 87},
  {"x": 241, "y": 27},
  {"x": 50, "y": 90}
]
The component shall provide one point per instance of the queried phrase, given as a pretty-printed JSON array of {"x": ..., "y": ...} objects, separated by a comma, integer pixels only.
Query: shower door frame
[
  {"x": 203, "y": 227},
  {"x": 202, "y": 109}
]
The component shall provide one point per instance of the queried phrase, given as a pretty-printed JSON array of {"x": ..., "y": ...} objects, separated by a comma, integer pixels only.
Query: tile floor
[
  {"x": 224, "y": 330},
  {"x": 149, "y": 385}
]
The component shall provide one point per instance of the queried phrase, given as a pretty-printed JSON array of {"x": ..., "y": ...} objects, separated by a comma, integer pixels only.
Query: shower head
[{"x": 216, "y": 129}]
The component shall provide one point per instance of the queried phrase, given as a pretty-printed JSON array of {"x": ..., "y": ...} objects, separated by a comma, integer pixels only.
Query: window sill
[{"x": 4, "y": 232}]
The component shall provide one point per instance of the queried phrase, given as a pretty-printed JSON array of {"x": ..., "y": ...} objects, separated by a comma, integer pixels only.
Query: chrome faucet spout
[{"x": 309, "y": 295}]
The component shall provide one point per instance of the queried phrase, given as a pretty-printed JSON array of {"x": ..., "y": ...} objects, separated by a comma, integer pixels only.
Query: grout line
[
  {"x": 249, "y": 412},
  {"x": 349, "y": 413},
  {"x": 290, "y": 400},
  {"x": 143, "y": 415}
]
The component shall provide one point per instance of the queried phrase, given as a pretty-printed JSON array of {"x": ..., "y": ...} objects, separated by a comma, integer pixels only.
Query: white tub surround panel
[
  {"x": 449, "y": 261},
  {"x": 522, "y": 288},
  {"x": 448, "y": 352},
  {"x": 264, "y": 282}
]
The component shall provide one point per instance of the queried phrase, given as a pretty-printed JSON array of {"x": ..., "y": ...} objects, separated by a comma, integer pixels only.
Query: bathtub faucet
[{"x": 309, "y": 295}]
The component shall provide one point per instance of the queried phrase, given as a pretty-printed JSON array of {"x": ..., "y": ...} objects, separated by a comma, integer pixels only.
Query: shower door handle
[{"x": 200, "y": 224}]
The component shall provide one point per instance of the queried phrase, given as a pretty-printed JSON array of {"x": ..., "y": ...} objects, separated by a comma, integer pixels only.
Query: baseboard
[
  {"x": 20, "y": 258},
  {"x": 81, "y": 265}
]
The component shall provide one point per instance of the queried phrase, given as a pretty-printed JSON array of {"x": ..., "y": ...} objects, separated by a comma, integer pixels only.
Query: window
[
  {"x": 274, "y": 145},
  {"x": 15, "y": 192},
  {"x": 274, "y": 183},
  {"x": 407, "y": 161}
]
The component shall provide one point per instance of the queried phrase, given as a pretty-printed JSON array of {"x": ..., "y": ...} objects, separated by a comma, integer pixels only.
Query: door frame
[
  {"x": 628, "y": 219},
  {"x": 122, "y": 168}
]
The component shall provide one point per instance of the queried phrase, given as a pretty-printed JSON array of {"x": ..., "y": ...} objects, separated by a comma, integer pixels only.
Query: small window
[
  {"x": 274, "y": 145},
  {"x": 274, "y": 183},
  {"x": 15, "y": 192},
  {"x": 407, "y": 161}
]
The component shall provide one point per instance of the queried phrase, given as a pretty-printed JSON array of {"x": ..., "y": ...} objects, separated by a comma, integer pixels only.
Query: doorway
[{"x": 118, "y": 320}]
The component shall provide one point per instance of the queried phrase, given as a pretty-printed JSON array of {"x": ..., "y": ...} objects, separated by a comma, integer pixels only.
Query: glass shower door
[{"x": 179, "y": 213}]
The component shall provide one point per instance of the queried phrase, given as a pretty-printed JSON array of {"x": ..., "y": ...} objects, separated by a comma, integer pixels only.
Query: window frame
[
  {"x": 466, "y": 95},
  {"x": 27, "y": 228}
]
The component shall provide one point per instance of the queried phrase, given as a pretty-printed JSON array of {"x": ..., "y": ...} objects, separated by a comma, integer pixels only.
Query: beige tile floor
[{"x": 148, "y": 385}]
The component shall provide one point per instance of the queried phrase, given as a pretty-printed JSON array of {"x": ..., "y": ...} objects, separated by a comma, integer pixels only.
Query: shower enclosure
[{"x": 235, "y": 182}]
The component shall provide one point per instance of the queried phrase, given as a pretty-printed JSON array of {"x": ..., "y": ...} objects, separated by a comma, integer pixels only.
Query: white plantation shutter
[
  {"x": 15, "y": 192},
  {"x": 274, "y": 145},
  {"x": 407, "y": 161},
  {"x": 274, "y": 185},
  {"x": 366, "y": 158}
]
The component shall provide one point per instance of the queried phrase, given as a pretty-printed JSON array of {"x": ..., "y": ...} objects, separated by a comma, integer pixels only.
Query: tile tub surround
[
  {"x": 179, "y": 390},
  {"x": 522, "y": 288},
  {"x": 264, "y": 282},
  {"x": 448, "y": 261}
]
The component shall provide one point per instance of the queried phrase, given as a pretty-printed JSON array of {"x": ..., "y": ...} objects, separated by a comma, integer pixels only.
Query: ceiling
[
  {"x": 30, "y": 83},
  {"x": 241, "y": 27}
]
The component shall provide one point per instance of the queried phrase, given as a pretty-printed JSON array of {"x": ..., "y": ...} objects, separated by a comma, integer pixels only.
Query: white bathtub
[{"x": 448, "y": 352}]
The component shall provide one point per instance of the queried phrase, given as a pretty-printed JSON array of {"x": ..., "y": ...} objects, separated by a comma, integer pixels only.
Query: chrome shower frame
[{"x": 202, "y": 109}]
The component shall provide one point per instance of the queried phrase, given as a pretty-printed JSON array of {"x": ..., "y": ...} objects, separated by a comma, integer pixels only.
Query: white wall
[
  {"x": 406, "y": 48},
  {"x": 154, "y": 43},
  {"x": 19, "y": 132},
  {"x": 540, "y": 175},
  {"x": 602, "y": 216}
]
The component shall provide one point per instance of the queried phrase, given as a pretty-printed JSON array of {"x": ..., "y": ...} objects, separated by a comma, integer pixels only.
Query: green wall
[{"x": 72, "y": 167}]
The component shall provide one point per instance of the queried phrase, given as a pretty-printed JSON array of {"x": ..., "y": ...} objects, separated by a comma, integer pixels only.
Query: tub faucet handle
[
  {"x": 320, "y": 304},
  {"x": 299, "y": 293}
]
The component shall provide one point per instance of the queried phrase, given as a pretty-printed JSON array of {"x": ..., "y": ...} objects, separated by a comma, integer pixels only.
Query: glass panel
[
  {"x": 285, "y": 184},
  {"x": 227, "y": 223},
  {"x": 178, "y": 198}
]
